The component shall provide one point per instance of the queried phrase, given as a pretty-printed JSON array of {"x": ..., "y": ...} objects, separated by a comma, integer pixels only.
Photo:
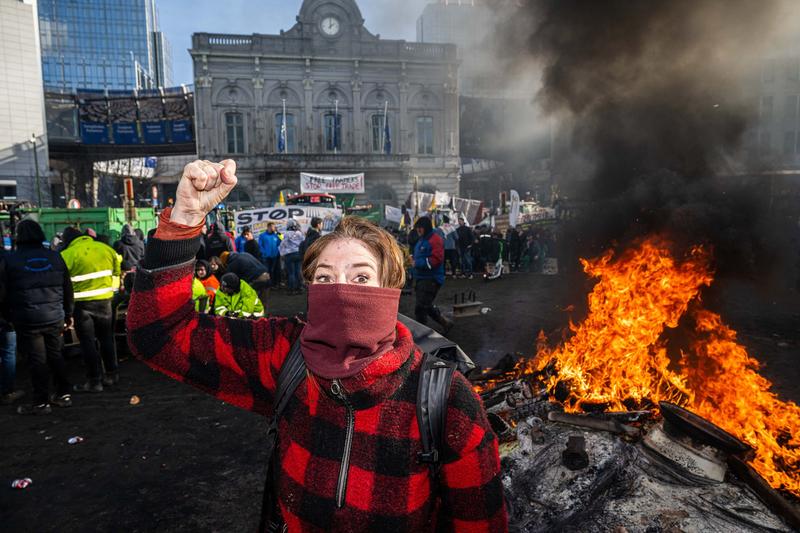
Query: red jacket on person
[{"x": 386, "y": 489}]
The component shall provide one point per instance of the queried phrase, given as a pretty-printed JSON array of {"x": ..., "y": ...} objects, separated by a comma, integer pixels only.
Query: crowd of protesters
[
  {"x": 474, "y": 250},
  {"x": 75, "y": 283},
  {"x": 80, "y": 281}
]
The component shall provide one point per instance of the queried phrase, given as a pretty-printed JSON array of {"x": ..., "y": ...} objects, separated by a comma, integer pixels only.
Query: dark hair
[
  {"x": 315, "y": 221},
  {"x": 424, "y": 223},
  {"x": 205, "y": 264},
  {"x": 29, "y": 232},
  {"x": 378, "y": 241},
  {"x": 70, "y": 234},
  {"x": 231, "y": 281}
]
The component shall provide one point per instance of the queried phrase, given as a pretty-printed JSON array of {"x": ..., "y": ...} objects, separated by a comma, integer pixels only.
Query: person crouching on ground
[
  {"x": 237, "y": 299},
  {"x": 348, "y": 443}
]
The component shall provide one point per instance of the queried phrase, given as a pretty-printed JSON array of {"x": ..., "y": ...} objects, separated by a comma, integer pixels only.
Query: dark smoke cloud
[{"x": 653, "y": 98}]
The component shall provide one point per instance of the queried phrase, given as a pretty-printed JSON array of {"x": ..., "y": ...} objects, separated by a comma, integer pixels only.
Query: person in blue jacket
[
  {"x": 241, "y": 240},
  {"x": 269, "y": 242},
  {"x": 428, "y": 273}
]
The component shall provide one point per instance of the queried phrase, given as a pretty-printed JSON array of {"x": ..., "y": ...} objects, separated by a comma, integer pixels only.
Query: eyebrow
[{"x": 357, "y": 265}]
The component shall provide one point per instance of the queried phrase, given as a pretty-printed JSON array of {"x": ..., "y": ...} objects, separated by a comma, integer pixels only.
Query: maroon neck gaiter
[{"x": 349, "y": 326}]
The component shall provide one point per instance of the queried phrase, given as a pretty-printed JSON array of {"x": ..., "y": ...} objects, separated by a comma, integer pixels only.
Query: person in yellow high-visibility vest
[
  {"x": 94, "y": 269},
  {"x": 236, "y": 298}
]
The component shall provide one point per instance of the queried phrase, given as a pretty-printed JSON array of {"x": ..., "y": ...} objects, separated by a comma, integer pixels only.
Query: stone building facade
[
  {"x": 328, "y": 64},
  {"x": 24, "y": 171}
]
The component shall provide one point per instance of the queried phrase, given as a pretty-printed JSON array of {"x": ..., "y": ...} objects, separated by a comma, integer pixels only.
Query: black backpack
[{"x": 432, "y": 396}]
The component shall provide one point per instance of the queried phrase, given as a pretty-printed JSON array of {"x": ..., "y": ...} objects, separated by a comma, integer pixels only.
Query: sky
[{"x": 392, "y": 19}]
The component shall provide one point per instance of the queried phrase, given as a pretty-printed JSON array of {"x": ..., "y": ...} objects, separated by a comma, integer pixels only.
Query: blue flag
[
  {"x": 337, "y": 131},
  {"x": 282, "y": 136},
  {"x": 387, "y": 137}
]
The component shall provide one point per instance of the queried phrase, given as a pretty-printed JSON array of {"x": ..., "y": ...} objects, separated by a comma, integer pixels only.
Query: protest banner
[
  {"x": 258, "y": 219},
  {"x": 393, "y": 214},
  {"x": 330, "y": 183}
]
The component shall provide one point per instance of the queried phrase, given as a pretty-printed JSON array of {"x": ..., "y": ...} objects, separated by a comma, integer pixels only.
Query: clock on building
[{"x": 330, "y": 26}]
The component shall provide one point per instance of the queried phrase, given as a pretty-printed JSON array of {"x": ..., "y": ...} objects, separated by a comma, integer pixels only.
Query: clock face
[{"x": 330, "y": 26}]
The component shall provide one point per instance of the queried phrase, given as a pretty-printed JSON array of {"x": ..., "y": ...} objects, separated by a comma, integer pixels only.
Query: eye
[
  {"x": 322, "y": 278},
  {"x": 362, "y": 278}
]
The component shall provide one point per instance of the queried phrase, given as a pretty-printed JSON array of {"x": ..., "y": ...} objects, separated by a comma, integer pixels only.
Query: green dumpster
[{"x": 104, "y": 220}]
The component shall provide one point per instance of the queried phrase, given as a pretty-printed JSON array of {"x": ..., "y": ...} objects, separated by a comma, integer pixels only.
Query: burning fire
[{"x": 617, "y": 356}]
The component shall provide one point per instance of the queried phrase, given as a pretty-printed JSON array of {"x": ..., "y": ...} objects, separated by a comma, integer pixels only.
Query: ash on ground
[{"x": 626, "y": 487}]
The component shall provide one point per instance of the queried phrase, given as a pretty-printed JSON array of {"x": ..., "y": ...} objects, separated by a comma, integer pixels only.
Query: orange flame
[{"x": 617, "y": 356}]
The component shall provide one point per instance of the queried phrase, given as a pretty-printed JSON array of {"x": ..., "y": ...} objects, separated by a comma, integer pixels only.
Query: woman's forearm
[{"x": 230, "y": 359}]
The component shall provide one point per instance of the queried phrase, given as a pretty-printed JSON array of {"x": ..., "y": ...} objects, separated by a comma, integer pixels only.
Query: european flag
[
  {"x": 387, "y": 137},
  {"x": 282, "y": 136},
  {"x": 337, "y": 131}
]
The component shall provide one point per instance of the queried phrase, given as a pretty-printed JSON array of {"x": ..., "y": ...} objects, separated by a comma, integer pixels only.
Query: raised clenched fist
[{"x": 202, "y": 187}]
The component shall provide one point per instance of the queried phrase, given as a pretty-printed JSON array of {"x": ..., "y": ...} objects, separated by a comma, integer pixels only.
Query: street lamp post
[{"x": 36, "y": 165}]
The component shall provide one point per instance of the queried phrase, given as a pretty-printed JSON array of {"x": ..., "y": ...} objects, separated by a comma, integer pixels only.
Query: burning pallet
[{"x": 677, "y": 433}]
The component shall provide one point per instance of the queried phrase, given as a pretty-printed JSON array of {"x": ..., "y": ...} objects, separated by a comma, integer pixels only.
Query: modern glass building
[{"x": 103, "y": 44}]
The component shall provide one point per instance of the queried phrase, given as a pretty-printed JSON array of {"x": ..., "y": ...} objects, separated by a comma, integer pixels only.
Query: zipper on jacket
[{"x": 341, "y": 487}]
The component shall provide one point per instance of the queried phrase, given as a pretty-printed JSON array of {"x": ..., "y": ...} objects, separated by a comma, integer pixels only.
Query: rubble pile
[{"x": 621, "y": 471}]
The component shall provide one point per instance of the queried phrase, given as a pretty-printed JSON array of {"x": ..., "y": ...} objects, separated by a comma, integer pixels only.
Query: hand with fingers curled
[{"x": 203, "y": 186}]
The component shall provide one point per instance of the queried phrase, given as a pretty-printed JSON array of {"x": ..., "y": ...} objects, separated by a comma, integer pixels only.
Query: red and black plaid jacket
[{"x": 387, "y": 489}]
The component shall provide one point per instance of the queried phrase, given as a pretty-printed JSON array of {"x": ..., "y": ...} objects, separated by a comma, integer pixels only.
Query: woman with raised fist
[{"x": 350, "y": 454}]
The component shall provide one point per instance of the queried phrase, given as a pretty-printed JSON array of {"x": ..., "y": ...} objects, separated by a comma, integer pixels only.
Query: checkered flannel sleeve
[
  {"x": 471, "y": 488},
  {"x": 236, "y": 361}
]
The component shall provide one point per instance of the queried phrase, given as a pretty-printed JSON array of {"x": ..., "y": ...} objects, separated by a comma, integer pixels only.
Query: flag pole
[
  {"x": 416, "y": 198},
  {"x": 383, "y": 130},
  {"x": 335, "y": 124},
  {"x": 283, "y": 130}
]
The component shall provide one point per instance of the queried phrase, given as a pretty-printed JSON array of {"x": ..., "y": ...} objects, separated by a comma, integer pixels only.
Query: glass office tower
[{"x": 103, "y": 44}]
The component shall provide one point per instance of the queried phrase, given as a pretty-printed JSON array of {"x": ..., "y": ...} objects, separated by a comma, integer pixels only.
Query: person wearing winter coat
[
  {"x": 95, "y": 270},
  {"x": 217, "y": 241},
  {"x": 36, "y": 296},
  {"x": 249, "y": 269},
  {"x": 8, "y": 356},
  {"x": 314, "y": 232},
  {"x": 237, "y": 299},
  {"x": 130, "y": 247},
  {"x": 466, "y": 239},
  {"x": 450, "y": 244},
  {"x": 428, "y": 273},
  {"x": 290, "y": 252},
  {"x": 199, "y": 296},
  {"x": 242, "y": 239},
  {"x": 202, "y": 271},
  {"x": 269, "y": 243},
  {"x": 348, "y": 441},
  {"x": 251, "y": 245}
]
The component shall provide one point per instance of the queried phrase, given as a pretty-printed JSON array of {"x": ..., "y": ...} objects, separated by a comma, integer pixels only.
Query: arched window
[
  {"x": 383, "y": 195},
  {"x": 234, "y": 133},
  {"x": 285, "y": 144},
  {"x": 239, "y": 199}
]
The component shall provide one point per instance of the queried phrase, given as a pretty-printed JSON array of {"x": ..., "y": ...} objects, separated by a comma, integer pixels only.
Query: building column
[
  {"x": 404, "y": 118},
  {"x": 308, "y": 109},
  {"x": 358, "y": 126}
]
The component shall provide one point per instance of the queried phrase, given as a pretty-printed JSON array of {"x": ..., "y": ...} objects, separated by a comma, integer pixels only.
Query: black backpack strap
[
  {"x": 291, "y": 375},
  {"x": 432, "y": 396}
]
